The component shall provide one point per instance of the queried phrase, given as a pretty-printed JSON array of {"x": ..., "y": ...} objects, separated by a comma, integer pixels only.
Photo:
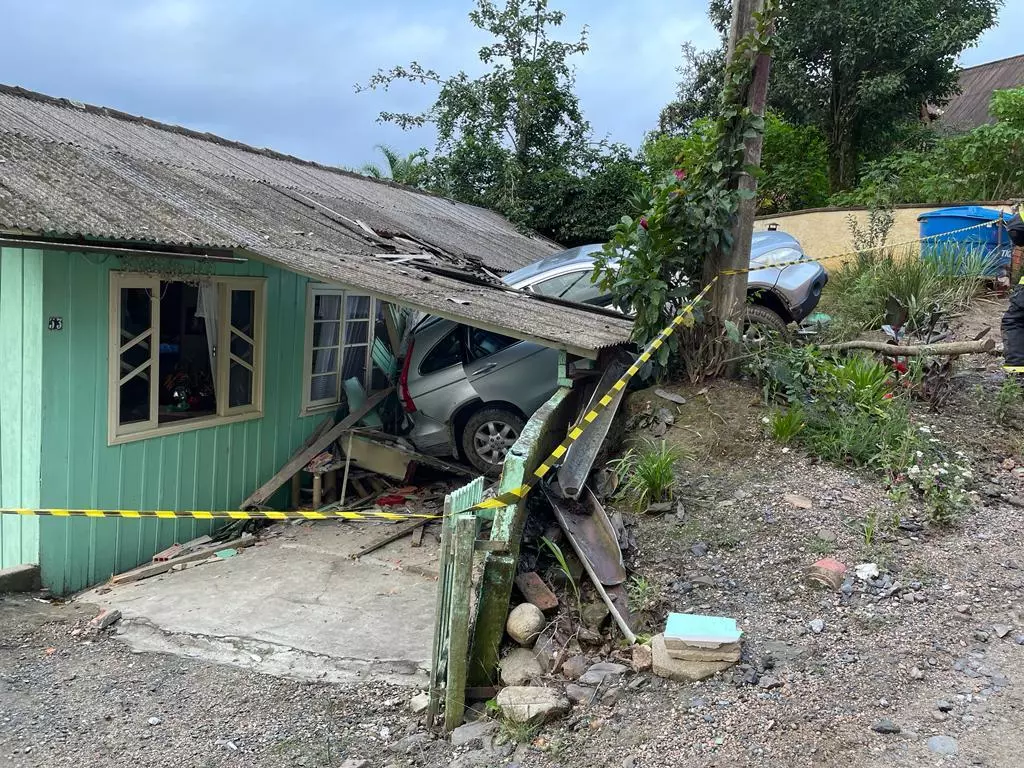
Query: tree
[
  {"x": 410, "y": 170},
  {"x": 859, "y": 70},
  {"x": 500, "y": 133}
]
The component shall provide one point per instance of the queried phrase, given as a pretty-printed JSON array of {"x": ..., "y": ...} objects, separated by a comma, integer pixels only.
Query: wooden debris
[
  {"x": 417, "y": 536},
  {"x": 919, "y": 350},
  {"x": 536, "y": 591},
  {"x": 168, "y": 554},
  {"x": 388, "y": 538},
  {"x": 145, "y": 571},
  {"x": 311, "y": 448},
  {"x": 106, "y": 618}
]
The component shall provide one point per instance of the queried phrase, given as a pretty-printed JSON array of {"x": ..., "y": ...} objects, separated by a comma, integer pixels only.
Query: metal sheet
[{"x": 591, "y": 534}]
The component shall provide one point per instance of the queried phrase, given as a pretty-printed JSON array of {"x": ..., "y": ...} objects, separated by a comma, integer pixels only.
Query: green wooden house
[{"x": 179, "y": 311}]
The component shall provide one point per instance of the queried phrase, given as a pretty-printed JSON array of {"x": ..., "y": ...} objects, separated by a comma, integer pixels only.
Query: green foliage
[
  {"x": 869, "y": 527},
  {"x": 411, "y": 170},
  {"x": 654, "y": 262},
  {"x": 794, "y": 167},
  {"x": 648, "y": 474},
  {"x": 644, "y": 595},
  {"x": 1009, "y": 400},
  {"x": 870, "y": 238},
  {"x": 785, "y": 424},
  {"x": 986, "y": 163},
  {"x": 563, "y": 564}
]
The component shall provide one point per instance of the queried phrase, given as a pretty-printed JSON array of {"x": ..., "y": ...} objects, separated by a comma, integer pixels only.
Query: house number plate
[{"x": 56, "y": 324}]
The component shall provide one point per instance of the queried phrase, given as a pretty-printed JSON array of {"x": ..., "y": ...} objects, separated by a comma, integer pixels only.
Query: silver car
[{"x": 470, "y": 391}]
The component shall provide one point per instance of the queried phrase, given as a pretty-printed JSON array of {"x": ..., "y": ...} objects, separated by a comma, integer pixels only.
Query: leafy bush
[
  {"x": 785, "y": 424},
  {"x": 648, "y": 474}
]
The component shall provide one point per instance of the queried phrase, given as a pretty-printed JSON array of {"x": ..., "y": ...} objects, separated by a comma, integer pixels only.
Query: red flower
[
  {"x": 680, "y": 174},
  {"x": 900, "y": 366},
  {"x": 643, "y": 222},
  {"x": 887, "y": 396}
]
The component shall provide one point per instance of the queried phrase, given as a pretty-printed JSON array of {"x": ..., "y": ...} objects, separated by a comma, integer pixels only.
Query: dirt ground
[{"x": 938, "y": 659}]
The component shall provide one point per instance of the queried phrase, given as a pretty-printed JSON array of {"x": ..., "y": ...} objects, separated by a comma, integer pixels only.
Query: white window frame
[
  {"x": 118, "y": 433},
  {"x": 313, "y": 290}
]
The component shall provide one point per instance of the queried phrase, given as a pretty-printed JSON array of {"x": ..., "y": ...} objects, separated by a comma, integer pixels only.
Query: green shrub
[
  {"x": 648, "y": 473},
  {"x": 785, "y": 424}
]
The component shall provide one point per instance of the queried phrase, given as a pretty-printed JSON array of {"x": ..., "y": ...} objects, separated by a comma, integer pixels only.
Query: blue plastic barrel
[{"x": 941, "y": 240}]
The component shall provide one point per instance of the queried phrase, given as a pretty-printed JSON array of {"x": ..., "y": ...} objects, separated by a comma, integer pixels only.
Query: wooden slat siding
[
  {"x": 21, "y": 329},
  {"x": 214, "y": 467}
]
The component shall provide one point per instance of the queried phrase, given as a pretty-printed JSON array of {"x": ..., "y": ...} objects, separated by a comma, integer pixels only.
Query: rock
[
  {"x": 769, "y": 682},
  {"x": 660, "y": 507},
  {"x": 154, "y": 721},
  {"x": 703, "y": 581},
  {"x": 917, "y": 673},
  {"x": 351, "y": 763},
  {"x": 826, "y": 535},
  {"x": 672, "y": 397},
  {"x": 943, "y": 706},
  {"x": 594, "y": 614},
  {"x": 885, "y": 725},
  {"x": 524, "y": 705},
  {"x": 519, "y": 667},
  {"x": 943, "y": 745},
  {"x": 682, "y": 671},
  {"x": 643, "y": 659},
  {"x": 106, "y": 618},
  {"x": 473, "y": 734},
  {"x": 699, "y": 549},
  {"x": 574, "y": 667},
  {"x": 817, "y": 626},
  {"x": 611, "y": 697},
  {"x": 408, "y": 744},
  {"x": 545, "y": 650},
  {"x": 963, "y": 608},
  {"x": 579, "y": 694},
  {"x": 939, "y": 717},
  {"x": 1001, "y": 630},
  {"x": 477, "y": 758},
  {"x": 798, "y": 501},
  {"x": 629, "y": 762},
  {"x": 603, "y": 672},
  {"x": 525, "y": 623},
  {"x": 419, "y": 703},
  {"x": 588, "y": 636},
  {"x": 981, "y": 636},
  {"x": 867, "y": 571}
]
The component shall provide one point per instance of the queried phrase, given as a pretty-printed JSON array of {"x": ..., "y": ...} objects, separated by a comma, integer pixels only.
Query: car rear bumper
[
  {"x": 801, "y": 286},
  {"x": 430, "y": 436}
]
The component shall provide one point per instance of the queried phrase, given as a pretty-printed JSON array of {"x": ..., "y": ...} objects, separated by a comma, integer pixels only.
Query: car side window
[
  {"x": 574, "y": 286},
  {"x": 446, "y": 353},
  {"x": 556, "y": 286},
  {"x": 483, "y": 343}
]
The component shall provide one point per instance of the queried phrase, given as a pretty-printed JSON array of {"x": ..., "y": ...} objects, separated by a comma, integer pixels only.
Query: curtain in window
[
  {"x": 326, "y": 343},
  {"x": 206, "y": 308}
]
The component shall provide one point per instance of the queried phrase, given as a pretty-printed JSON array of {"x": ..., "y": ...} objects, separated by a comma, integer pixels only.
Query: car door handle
[{"x": 485, "y": 369}]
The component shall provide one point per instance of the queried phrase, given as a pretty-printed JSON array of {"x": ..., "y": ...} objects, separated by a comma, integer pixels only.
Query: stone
[
  {"x": 643, "y": 658},
  {"x": 726, "y": 652},
  {"x": 943, "y": 706},
  {"x": 106, "y": 618},
  {"x": 885, "y": 725},
  {"x": 154, "y": 721},
  {"x": 603, "y": 672},
  {"x": 939, "y": 717},
  {"x": 546, "y": 649},
  {"x": 473, "y": 734},
  {"x": 703, "y": 581},
  {"x": 574, "y": 667},
  {"x": 826, "y": 535},
  {"x": 981, "y": 636},
  {"x": 525, "y": 623},
  {"x": 943, "y": 745},
  {"x": 679, "y": 670},
  {"x": 588, "y": 636},
  {"x": 408, "y": 744},
  {"x": 867, "y": 571},
  {"x": 917, "y": 673},
  {"x": 769, "y": 682},
  {"x": 594, "y": 614},
  {"x": 963, "y": 608},
  {"x": 798, "y": 501},
  {"x": 419, "y": 703},
  {"x": 629, "y": 762},
  {"x": 611, "y": 697},
  {"x": 524, "y": 705},
  {"x": 817, "y": 626},
  {"x": 699, "y": 549},
  {"x": 519, "y": 667},
  {"x": 579, "y": 694},
  {"x": 352, "y": 763},
  {"x": 1001, "y": 630}
]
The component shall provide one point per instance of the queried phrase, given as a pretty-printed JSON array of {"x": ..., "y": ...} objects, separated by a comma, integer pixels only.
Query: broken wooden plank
[
  {"x": 311, "y": 448},
  {"x": 167, "y": 554},
  {"x": 417, "y": 536},
  {"x": 393, "y": 536},
  {"x": 536, "y": 591},
  {"x": 388, "y": 441},
  {"x": 145, "y": 571}
]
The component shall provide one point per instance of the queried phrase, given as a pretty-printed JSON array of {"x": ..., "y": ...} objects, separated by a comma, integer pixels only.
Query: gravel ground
[{"x": 870, "y": 676}]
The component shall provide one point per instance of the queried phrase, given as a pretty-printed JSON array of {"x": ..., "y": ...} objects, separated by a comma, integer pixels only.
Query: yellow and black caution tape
[
  {"x": 502, "y": 500},
  {"x": 221, "y": 514}
]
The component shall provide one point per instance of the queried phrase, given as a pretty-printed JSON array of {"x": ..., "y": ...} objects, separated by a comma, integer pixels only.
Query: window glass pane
[
  {"x": 447, "y": 353},
  {"x": 325, "y": 360},
  {"x": 239, "y": 385},
  {"x": 241, "y": 348},
  {"x": 243, "y": 306},
  {"x": 484, "y": 343},
  {"x": 357, "y": 307},
  {"x": 354, "y": 364},
  {"x": 584, "y": 291},
  {"x": 135, "y": 399},
  {"x": 324, "y": 387},
  {"x": 136, "y": 312},
  {"x": 326, "y": 334},
  {"x": 556, "y": 286},
  {"x": 326, "y": 307},
  {"x": 135, "y": 356},
  {"x": 357, "y": 331}
]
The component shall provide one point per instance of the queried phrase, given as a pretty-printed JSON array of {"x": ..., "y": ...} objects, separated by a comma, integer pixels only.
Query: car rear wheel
[
  {"x": 488, "y": 436},
  {"x": 760, "y": 322}
]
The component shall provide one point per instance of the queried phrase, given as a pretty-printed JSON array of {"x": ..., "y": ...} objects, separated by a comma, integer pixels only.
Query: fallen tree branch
[{"x": 920, "y": 350}]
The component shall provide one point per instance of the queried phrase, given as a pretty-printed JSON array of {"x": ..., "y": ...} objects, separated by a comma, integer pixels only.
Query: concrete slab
[{"x": 295, "y": 606}]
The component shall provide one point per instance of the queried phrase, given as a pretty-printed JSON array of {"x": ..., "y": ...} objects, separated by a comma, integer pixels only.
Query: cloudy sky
[{"x": 281, "y": 75}]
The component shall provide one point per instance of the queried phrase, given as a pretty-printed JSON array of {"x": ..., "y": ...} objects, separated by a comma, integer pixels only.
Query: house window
[
  {"x": 183, "y": 355},
  {"x": 341, "y": 328}
]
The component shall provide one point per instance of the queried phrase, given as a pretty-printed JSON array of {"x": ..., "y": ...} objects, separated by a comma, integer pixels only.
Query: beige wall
[{"x": 825, "y": 233}]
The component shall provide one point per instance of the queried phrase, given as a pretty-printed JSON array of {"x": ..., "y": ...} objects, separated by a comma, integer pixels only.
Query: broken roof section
[{"x": 72, "y": 171}]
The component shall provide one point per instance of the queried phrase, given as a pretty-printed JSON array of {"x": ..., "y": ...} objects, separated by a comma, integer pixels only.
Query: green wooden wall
[
  {"x": 212, "y": 468},
  {"x": 21, "y": 329}
]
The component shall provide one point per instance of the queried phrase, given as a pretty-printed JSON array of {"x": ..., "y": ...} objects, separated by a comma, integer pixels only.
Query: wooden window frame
[
  {"x": 117, "y": 433},
  {"x": 310, "y": 407}
]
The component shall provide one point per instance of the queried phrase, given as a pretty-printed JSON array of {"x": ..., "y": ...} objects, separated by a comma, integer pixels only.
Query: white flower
[{"x": 914, "y": 470}]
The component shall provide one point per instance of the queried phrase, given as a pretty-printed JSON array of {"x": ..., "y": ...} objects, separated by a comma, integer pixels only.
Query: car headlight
[{"x": 777, "y": 256}]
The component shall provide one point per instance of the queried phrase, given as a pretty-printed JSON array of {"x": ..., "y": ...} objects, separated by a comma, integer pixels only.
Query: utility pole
[{"x": 729, "y": 295}]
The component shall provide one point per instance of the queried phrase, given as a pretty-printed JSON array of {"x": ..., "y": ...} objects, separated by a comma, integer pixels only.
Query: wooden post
[
  {"x": 461, "y": 619},
  {"x": 729, "y": 295}
]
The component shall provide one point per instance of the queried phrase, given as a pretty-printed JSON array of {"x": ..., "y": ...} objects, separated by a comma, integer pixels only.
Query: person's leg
[{"x": 1013, "y": 333}]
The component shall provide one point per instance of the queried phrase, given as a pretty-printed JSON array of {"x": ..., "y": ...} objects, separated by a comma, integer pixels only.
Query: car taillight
[{"x": 403, "y": 382}]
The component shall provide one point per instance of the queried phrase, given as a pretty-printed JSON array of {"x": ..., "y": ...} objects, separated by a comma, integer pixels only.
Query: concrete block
[
  {"x": 679, "y": 670},
  {"x": 20, "y": 578},
  {"x": 106, "y": 618}
]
